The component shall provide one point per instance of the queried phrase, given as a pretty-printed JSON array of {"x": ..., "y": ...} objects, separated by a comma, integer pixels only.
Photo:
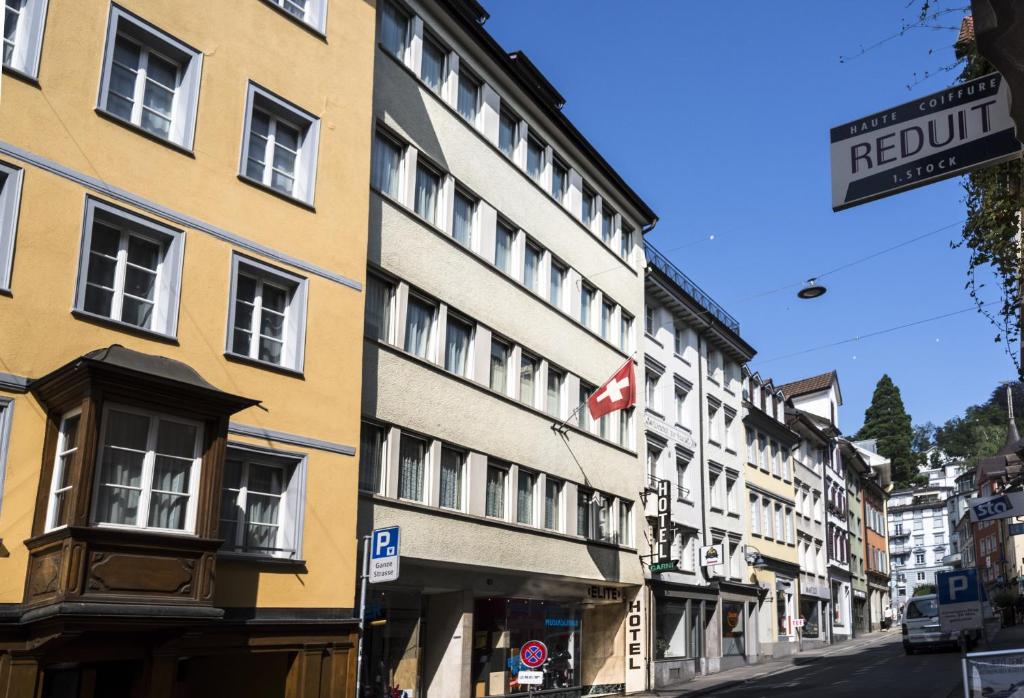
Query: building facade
[
  {"x": 819, "y": 398},
  {"x": 691, "y": 432},
  {"x": 809, "y": 460},
  {"x": 518, "y": 513},
  {"x": 919, "y": 538},
  {"x": 771, "y": 505},
  {"x": 961, "y": 532},
  {"x": 857, "y": 471},
  {"x": 177, "y": 452},
  {"x": 876, "y": 488}
]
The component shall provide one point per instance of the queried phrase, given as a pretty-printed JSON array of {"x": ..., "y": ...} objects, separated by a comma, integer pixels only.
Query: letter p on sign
[{"x": 957, "y": 585}]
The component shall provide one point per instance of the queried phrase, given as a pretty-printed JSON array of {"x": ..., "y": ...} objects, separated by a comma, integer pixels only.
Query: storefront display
[
  {"x": 732, "y": 628},
  {"x": 502, "y": 626},
  {"x": 809, "y": 613}
]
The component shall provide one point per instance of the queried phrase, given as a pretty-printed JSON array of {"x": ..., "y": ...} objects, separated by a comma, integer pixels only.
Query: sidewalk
[{"x": 706, "y": 685}]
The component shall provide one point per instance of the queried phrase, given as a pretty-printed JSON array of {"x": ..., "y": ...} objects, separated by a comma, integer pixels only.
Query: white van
[{"x": 921, "y": 625}]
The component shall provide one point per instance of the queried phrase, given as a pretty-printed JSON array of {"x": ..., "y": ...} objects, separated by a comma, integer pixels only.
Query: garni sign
[{"x": 928, "y": 139}]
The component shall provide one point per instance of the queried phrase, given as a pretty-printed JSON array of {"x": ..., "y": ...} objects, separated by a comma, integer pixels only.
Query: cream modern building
[
  {"x": 505, "y": 284},
  {"x": 693, "y": 355}
]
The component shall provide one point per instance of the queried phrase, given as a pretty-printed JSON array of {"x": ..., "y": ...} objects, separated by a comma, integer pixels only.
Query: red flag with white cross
[{"x": 618, "y": 393}]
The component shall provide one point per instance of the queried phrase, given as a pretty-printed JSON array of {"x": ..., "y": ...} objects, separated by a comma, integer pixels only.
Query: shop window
[
  {"x": 732, "y": 628},
  {"x": 670, "y": 629},
  {"x": 500, "y": 629}
]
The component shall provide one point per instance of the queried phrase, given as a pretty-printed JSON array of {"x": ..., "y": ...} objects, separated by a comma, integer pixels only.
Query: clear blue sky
[{"x": 718, "y": 115}]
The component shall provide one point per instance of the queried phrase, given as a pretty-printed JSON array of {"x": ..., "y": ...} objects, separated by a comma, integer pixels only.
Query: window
[
  {"x": 534, "y": 158},
  {"x": 420, "y": 316},
  {"x": 682, "y": 477},
  {"x": 918, "y": 558},
  {"x": 625, "y": 330},
  {"x": 762, "y": 451},
  {"x": 500, "y": 353},
  {"x": 584, "y": 414},
  {"x": 776, "y": 459},
  {"x": 586, "y": 304},
  {"x": 495, "y": 495},
  {"x": 531, "y": 267},
  {"x": 559, "y": 180},
  {"x": 528, "y": 379},
  {"x": 412, "y": 467},
  {"x": 261, "y": 503},
  {"x": 625, "y": 530},
  {"x": 766, "y": 518},
  {"x": 713, "y": 430},
  {"x": 940, "y": 539},
  {"x": 453, "y": 467},
  {"x": 386, "y": 174},
  {"x": 428, "y": 190},
  {"x": 715, "y": 490},
  {"x": 60, "y": 481},
  {"x": 380, "y": 301},
  {"x": 558, "y": 274},
  {"x": 503, "y": 238},
  {"x": 468, "y": 102},
  {"x": 6, "y": 411},
  {"x": 679, "y": 340},
  {"x": 751, "y": 449},
  {"x": 789, "y": 526},
  {"x": 589, "y": 209},
  {"x": 10, "y": 196},
  {"x": 755, "y": 514},
  {"x": 372, "y": 458},
  {"x": 312, "y": 12},
  {"x": 653, "y": 456},
  {"x": 649, "y": 320},
  {"x": 552, "y": 504},
  {"x": 607, "y": 225},
  {"x": 779, "y": 523},
  {"x": 23, "y": 35},
  {"x": 280, "y": 145},
  {"x": 625, "y": 240},
  {"x": 433, "y": 64},
  {"x": 920, "y": 576},
  {"x": 508, "y": 132},
  {"x": 267, "y": 318},
  {"x": 731, "y": 496},
  {"x": 583, "y": 498},
  {"x": 148, "y": 470},
  {"x": 626, "y": 427},
  {"x": 607, "y": 311},
  {"x": 458, "y": 345},
  {"x": 524, "y": 497},
  {"x": 730, "y": 418},
  {"x": 394, "y": 30},
  {"x": 150, "y": 79},
  {"x": 554, "y": 394},
  {"x": 602, "y": 517},
  {"x": 130, "y": 269},
  {"x": 651, "y": 391}
]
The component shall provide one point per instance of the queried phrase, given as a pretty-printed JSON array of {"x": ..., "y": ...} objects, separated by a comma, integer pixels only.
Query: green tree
[
  {"x": 887, "y": 421},
  {"x": 924, "y": 590},
  {"x": 981, "y": 431}
]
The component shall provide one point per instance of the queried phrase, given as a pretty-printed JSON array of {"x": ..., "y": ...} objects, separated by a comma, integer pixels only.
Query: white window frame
[
  {"x": 463, "y": 477},
  {"x": 382, "y": 475},
  {"x": 6, "y": 419},
  {"x": 146, "y": 479},
  {"x": 505, "y": 495},
  {"x": 167, "y": 293},
  {"x": 293, "y": 498},
  {"x": 10, "y": 202},
  {"x": 153, "y": 40},
  {"x": 314, "y": 16},
  {"x": 308, "y": 125},
  {"x": 56, "y": 474},
  {"x": 293, "y": 351},
  {"x": 28, "y": 39}
]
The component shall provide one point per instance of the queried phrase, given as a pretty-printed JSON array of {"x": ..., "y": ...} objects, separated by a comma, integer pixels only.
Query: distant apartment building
[
  {"x": 692, "y": 434},
  {"x": 919, "y": 538},
  {"x": 809, "y": 462},
  {"x": 505, "y": 284},
  {"x": 771, "y": 506},
  {"x": 820, "y": 397}
]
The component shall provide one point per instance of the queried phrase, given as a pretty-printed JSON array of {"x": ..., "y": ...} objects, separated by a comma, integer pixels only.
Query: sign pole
[{"x": 363, "y": 579}]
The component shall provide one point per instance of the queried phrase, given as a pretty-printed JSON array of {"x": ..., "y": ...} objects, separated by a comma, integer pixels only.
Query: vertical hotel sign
[
  {"x": 664, "y": 553},
  {"x": 929, "y": 139}
]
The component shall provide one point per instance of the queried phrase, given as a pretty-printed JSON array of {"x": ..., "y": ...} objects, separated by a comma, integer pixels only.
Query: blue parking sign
[
  {"x": 958, "y": 586},
  {"x": 384, "y": 544}
]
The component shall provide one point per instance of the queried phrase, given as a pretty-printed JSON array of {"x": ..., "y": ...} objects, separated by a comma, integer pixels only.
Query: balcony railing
[
  {"x": 691, "y": 289},
  {"x": 678, "y": 491}
]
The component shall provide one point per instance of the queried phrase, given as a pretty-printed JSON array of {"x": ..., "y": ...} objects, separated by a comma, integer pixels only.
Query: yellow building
[
  {"x": 771, "y": 527},
  {"x": 183, "y": 216}
]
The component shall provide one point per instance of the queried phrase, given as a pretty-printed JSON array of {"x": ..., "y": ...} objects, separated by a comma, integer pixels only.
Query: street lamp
[
  {"x": 754, "y": 557},
  {"x": 811, "y": 290}
]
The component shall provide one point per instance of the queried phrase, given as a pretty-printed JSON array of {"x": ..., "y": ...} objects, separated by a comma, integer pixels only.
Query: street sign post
[
  {"x": 384, "y": 555},
  {"x": 933, "y": 137},
  {"x": 960, "y": 598},
  {"x": 533, "y": 654},
  {"x": 999, "y": 506}
]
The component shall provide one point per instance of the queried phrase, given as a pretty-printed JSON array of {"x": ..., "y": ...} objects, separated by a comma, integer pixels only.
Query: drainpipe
[{"x": 700, "y": 446}]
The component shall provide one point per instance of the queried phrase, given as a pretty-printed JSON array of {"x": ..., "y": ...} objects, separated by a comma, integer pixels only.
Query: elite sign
[{"x": 931, "y": 138}]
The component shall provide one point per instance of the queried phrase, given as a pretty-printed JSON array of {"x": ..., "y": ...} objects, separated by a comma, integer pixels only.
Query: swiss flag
[{"x": 618, "y": 393}]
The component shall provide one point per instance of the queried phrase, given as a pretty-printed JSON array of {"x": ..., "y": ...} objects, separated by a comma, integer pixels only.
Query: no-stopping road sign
[{"x": 533, "y": 654}]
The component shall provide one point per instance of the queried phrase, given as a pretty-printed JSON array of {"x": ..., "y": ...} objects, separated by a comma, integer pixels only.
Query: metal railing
[
  {"x": 691, "y": 289},
  {"x": 679, "y": 491}
]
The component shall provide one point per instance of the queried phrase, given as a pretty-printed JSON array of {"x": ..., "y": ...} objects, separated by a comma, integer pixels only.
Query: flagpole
[{"x": 560, "y": 427}]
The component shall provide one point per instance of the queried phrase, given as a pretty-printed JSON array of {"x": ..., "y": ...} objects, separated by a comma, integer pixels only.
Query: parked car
[{"x": 921, "y": 625}]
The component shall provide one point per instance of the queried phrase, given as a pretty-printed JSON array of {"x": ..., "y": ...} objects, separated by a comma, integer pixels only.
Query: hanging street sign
[
  {"x": 669, "y": 566},
  {"x": 712, "y": 555},
  {"x": 928, "y": 139},
  {"x": 1016, "y": 529},
  {"x": 1000, "y": 506},
  {"x": 384, "y": 555}
]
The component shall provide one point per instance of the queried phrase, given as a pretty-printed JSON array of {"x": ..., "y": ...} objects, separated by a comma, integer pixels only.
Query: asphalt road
[{"x": 880, "y": 669}]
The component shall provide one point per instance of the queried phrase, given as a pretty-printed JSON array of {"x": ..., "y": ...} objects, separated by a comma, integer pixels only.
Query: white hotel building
[
  {"x": 919, "y": 538},
  {"x": 505, "y": 282}
]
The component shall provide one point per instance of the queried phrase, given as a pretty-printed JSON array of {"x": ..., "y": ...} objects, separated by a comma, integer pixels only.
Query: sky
[{"x": 717, "y": 114}]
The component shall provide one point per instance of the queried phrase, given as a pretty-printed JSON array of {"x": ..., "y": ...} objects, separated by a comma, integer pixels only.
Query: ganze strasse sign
[{"x": 931, "y": 138}]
